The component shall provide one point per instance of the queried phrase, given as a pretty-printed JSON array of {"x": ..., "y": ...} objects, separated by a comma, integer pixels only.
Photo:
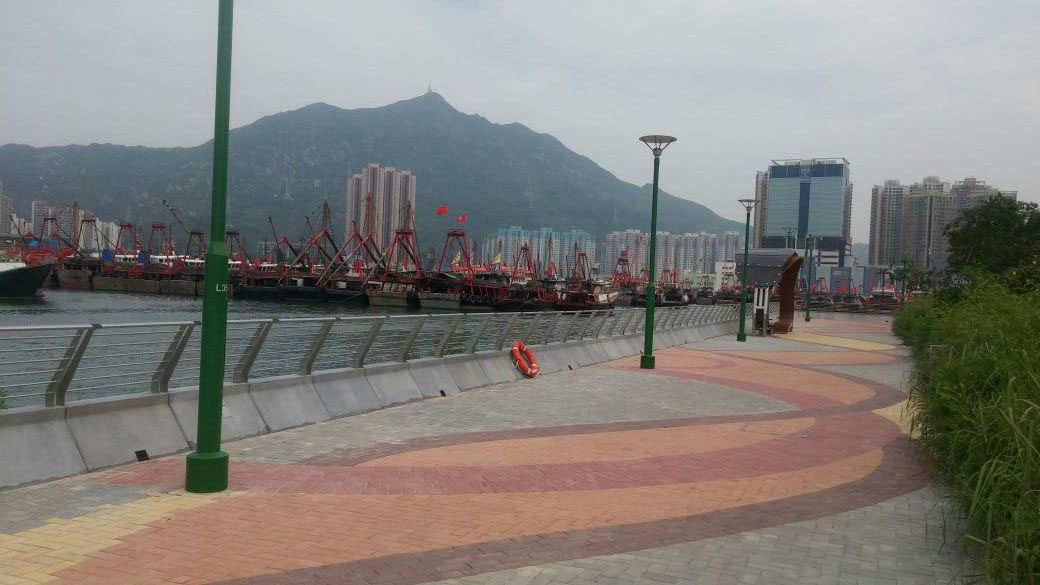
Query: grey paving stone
[
  {"x": 31, "y": 506},
  {"x": 582, "y": 396},
  {"x": 864, "y": 546}
]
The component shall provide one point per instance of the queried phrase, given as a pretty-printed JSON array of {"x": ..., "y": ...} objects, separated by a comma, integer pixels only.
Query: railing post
[
  {"x": 307, "y": 363},
  {"x": 245, "y": 363},
  {"x": 448, "y": 332},
  {"x": 547, "y": 339},
  {"x": 412, "y": 336},
  {"x": 480, "y": 333},
  {"x": 586, "y": 324},
  {"x": 377, "y": 324},
  {"x": 59, "y": 384},
  {"x": 676, "y": 313},
  {"x": 505, "y": 330},
  {"x": 623, "y": 318},
  {"x": 164, "y": 370},
  {"x": 602, "y": 323},
  {"x": 531, "y": 328},
  {"x": 638, "y": 318},
  {"x": 570, "y": 326}
]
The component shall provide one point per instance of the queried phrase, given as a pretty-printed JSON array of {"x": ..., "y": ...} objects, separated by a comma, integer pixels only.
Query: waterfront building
[
  {"x": 908, "y": 223},
  {"x": 66, "y": 218},
  {"x": 886, "y": 222},
  {"x": 808, "y": 197},
  {"x": 760, "y": 207},
  {"x": 969, "y": 192},
  {"x": 635, "y": 241},
  {"x": 392, "y": 193},
  {"x": 691, "y": 254},
  {"x": 506, "y": 242},
  {"x": 6, "y": 213},
  {"x": 730, "y": 244}
]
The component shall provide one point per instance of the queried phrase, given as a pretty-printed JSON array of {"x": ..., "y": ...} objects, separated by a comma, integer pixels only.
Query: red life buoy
[{"x": 524, "y": 360}]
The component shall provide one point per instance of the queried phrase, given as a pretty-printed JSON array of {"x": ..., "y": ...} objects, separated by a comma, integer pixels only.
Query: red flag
[
  {"x": 443, "y": 209},
  {"x": 461, "y": 218}
]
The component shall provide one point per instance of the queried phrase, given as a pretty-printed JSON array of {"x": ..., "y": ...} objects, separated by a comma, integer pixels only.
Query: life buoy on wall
[{"x": 524, "y": 360}]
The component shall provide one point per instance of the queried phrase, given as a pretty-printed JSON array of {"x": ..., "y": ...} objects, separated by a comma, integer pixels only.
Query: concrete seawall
[{"x": 42, "y": 443}]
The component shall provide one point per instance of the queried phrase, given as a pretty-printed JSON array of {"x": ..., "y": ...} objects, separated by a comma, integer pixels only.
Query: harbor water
[{"x": 65, "y": 307}]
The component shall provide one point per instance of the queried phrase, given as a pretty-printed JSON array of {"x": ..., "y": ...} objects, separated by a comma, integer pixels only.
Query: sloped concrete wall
[
  {"x": 432, "y": 377},
  {"x": 393, "y": 383},
  {"x": 36, "y": 444},
  {"x": 109, "y": 430},
  {"x": 345, "y": 391},
  {"x": 287, "y": 401},
  {"x": 239, "y": 418}
]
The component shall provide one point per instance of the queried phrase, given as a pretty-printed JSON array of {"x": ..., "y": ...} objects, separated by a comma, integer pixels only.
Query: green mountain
[{"x": 285, "y": 164}]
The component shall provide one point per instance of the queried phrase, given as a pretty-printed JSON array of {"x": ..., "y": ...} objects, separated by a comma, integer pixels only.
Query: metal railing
[{"x": 52, "y": 365}]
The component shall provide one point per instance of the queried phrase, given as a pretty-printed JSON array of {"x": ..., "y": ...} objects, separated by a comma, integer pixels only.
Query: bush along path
[{"x": 975, "y": 402}]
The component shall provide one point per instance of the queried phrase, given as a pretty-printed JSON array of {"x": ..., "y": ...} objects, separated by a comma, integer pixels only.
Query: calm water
[{"x": 64, "y": 307}]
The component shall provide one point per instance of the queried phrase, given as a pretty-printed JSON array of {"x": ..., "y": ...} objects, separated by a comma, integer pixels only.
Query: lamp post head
[
  {"x": 657, "y": 142},
  {"x": 748, "y": 204}
]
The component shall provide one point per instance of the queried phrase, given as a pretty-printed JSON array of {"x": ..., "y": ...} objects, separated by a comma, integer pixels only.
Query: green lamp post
[
  {"x": 748, "y": 204},
  {"x": 657, "y": 143},
  {"x": 207, "y": 466}
]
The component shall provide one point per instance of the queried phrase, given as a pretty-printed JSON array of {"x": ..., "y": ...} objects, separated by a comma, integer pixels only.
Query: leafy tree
[
  {"x": 999, "y": 235},
  {"x": 912, "y": 276}
]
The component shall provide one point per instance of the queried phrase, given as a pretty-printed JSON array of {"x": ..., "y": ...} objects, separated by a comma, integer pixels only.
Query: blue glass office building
[{"x": 808, "y": 197}]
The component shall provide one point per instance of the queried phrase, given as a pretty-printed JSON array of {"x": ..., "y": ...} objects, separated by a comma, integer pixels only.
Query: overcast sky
[{"x": 902, "y": 89}]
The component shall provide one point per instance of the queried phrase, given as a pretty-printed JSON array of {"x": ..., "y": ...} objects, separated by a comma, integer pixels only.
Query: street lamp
[
  {"x": 748, "y": 204},
  {"x": 657, "y": 144},
  {"x": 207, "y": 466}
]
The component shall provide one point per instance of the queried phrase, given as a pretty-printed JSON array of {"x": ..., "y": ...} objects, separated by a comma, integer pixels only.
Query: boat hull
[
  {"x": 440, "y": 301},
  {"x": 24, "y": 282},
  {"x": 387, "y": 298}
]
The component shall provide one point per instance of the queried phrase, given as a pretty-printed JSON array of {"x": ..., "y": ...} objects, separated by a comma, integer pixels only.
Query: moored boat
[{"x": 20, "y": 280}]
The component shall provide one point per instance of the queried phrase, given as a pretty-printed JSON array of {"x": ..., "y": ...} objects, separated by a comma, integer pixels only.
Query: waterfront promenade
[{"x": 782, "y": 460}]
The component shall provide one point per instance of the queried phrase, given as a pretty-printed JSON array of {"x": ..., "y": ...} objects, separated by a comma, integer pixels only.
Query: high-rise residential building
[
  {"x": 908, "y": 223},
  {"x": 928, "y": 207},
  {"x": 730, "y": 244},
  {"x": 6, "y": 211},
  {"x": 636, "y": 242},
  {"x": 969, "y": 192},
  {"x": 507, "y": 242},
  {"x": 380, "y": 201},
  {"x": 760, "y": 207},
  {"x": 886, "y": 223},
  {"x": 584, "y": 242},
  {"x": 811, "y": 197},
  {"x": 691, "y": 255},
  {"x": 66, "y": 219}
]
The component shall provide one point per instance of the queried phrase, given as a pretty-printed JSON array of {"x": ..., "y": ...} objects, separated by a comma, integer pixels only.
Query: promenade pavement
[{"x": 779, "y": 460}]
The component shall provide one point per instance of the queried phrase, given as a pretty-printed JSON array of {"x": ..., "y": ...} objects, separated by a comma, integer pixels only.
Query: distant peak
[{"x": 428, "y": 99}]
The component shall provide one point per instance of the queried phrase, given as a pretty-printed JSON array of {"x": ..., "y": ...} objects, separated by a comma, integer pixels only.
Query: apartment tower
[{"x": 392, "y": 194}]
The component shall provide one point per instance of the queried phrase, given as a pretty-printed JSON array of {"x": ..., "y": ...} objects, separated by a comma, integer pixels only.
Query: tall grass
[{"x": 975, "y": 400}]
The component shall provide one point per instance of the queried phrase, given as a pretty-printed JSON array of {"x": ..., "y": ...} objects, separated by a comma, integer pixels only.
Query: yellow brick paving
[
  {"x": 36, "y": 555},
  {"x": 831, "y": 340}
]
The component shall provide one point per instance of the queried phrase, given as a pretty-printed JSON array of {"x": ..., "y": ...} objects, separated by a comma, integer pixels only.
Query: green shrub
[{"x": 975, "y": 400}]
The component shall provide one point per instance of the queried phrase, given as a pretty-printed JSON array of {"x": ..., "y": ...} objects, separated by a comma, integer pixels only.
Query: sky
[{"x": 902, "y": 89}]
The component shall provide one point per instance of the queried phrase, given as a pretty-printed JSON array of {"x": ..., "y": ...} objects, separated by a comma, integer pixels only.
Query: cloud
[{"x": 901, "y": 89}]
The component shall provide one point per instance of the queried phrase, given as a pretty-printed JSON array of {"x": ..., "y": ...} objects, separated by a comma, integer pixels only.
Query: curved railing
[{"x": 52, "y": 365}]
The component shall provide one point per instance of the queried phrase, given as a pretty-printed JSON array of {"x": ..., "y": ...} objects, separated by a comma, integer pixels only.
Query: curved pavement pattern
[{"x": 776, "y": 461}]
